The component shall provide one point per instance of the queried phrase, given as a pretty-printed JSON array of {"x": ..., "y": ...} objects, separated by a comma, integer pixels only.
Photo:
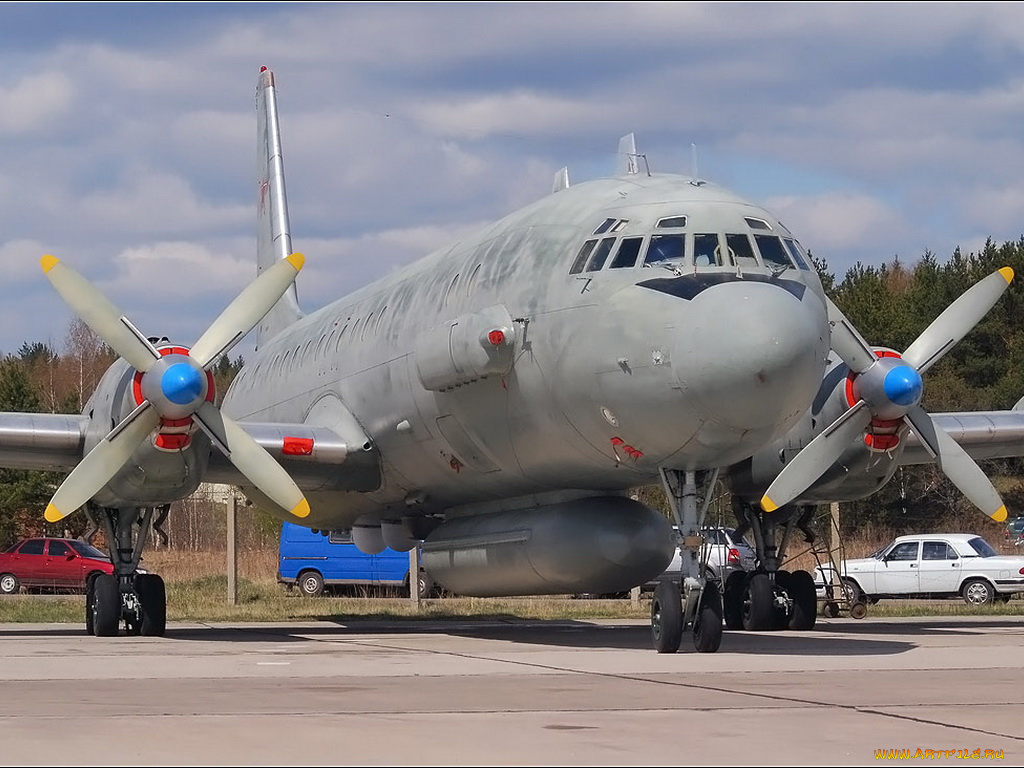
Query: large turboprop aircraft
[{"x": 498, "y": 399}]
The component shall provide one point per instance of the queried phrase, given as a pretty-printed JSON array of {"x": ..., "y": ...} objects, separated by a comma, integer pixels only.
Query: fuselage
[{"x": 571, "y": 348}]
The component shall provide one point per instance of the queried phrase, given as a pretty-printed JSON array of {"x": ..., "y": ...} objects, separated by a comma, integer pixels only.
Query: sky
[{"x": 128, "y": 132}]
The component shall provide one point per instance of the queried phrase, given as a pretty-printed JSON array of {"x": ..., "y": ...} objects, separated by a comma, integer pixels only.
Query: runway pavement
[{"x": 489, "y": 692}]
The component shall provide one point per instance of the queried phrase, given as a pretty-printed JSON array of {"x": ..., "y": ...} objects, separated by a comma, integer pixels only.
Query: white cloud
[{"x": 37, "y": 102}]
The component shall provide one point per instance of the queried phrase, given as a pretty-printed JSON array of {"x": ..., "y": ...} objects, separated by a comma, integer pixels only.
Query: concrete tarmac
[{"x": 490, "y": 692}]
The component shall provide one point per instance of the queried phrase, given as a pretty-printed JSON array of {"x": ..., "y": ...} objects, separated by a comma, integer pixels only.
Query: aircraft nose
[{"x": 754, "y": 355}]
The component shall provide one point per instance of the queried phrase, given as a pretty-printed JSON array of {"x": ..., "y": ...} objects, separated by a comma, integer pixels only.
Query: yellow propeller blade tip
[
  {"x": 1007, "y": 273},
  {"x": 49, "y": 262},
  {"x": 1000, "y": 514},
  {"x": 301, "y": 509},
  {"x": 52, "y": 514},
  {"x": 768, "y": 505},
  {"x": 297, "y": 260}
]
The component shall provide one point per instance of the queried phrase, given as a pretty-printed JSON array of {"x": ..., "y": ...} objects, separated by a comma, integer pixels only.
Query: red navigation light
[{"x": 496, "y": 337}]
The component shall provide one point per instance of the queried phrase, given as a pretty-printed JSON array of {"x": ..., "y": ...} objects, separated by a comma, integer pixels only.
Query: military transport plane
[{"x": 498, "y": 399}]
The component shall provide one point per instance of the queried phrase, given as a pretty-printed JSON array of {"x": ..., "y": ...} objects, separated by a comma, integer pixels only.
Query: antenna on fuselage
[
  {"x": 696, "y": 179},
  {"x": 628, "y": 157},
  {"x": 561, "y": 180}
]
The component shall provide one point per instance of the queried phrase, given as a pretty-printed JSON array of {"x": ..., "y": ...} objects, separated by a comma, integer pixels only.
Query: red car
[{"x": 51, "y": 564}]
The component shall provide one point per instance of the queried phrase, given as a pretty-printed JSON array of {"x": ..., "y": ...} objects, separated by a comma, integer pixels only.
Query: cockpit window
[
  {"x": 773, "y": 253},
  {"x": 757, "y": 223},
  {"x": 605, "y": 226},
  {"x": 582, "y": 256},
  {"x": 706, "y": 251},
  {"x": 741, "y": 251},
  {"x": 619, "y": 225},
  {"x": 671, "y": 221},
  {"x": 665, "y": 248},
  {"x": 600, "y": 254},
  {"x": 628, "y": 252},
  {"x": 797, "y": 253}
]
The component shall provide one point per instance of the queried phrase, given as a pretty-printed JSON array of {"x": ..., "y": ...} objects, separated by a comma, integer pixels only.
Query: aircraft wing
[
  {"x": 42, "y": 441},
  {"x": 312, "y": 455},
  {"x": 983, "y": 434}
]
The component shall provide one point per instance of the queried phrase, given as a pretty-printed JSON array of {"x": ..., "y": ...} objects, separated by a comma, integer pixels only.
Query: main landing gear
[
  {"x": 695, "y": 601},
  {"x": 771, "y": 598},
  {"x": 134, "y": 597}
]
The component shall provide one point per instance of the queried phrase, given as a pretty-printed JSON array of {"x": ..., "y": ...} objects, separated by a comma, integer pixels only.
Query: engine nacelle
[
  {"x": 859, "y": 472},
  {"x": 597, "y": 544}
]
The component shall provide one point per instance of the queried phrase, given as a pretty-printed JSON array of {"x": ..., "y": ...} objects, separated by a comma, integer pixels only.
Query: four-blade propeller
[
  {"x": 174, "y": 387},
  {"x": 888, "y": 389}
]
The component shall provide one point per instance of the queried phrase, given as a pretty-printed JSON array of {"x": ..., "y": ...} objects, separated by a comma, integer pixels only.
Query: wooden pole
[
  {"x": 232, "y": 548},
  {"x": 414, "y": 577}
]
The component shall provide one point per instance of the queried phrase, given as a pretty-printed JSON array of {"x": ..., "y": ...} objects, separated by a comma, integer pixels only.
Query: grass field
[{"x": 197, "y": 591}]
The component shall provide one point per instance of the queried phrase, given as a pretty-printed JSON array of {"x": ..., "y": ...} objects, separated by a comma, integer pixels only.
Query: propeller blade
[
  {"x": 99, "y": 314},
  {"x": 817, "y": 456},
  {"x": 847, "y": 341},
  {"x": 102, "y": 462},
  {"x": 248, "y": 308},
  {"x": 252, "y": 460},
  {"x": 957, "y": 465},
  {"x": 957, "y": 320}
]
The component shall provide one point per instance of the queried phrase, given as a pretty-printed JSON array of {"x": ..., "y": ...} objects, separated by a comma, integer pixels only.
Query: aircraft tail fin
[{"x": 273, "y": 239}]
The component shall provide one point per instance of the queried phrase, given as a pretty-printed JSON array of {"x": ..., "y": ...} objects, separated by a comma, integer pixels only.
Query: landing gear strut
[
  {"x": 695, "y": 602},
  {"x": 137, "y": 599},
  {"x": 770, "y": 597}
]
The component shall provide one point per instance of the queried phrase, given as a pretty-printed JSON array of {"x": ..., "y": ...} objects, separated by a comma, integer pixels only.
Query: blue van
[{"x": 315, "y": 561}]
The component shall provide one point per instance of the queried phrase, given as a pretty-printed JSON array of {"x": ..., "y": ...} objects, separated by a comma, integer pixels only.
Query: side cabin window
[
  {"x": 605, "y": 226},
  {"x": 671, "y": 222},
  {"x": 798, "y": 254},
  {"x": 773, "y": 253},
  {"x": 757, "y": 223},
  {"x": 629, "y": 251},
  {"x": 665, "y": 248},
  {"x": 706, "y": 252},
  {"x": 600, "y": 254},
  {"x": 581, "y": 257},
  {"x": 741, "y": 250}
]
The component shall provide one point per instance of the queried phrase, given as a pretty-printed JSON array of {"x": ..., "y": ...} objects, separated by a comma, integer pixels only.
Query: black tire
[
  {"x": 9, "y": 584},
  {"x": 732, "y": 600},
  {"x": 426, "y": 585},
  {"x": 830, "y": 610},
  {"x": 805, "y": 601},
  {"x": 152, "y": 594},
  {"x": 90, "y": 598},
  {"x": 852, "y": 592},
  {"x": 667, "y": 617},
  {"x": 759, "y": 603},
  {"x": 978, "y": 592},
  {"x": 311, "y": 583},
  {"x": 707, "y": 629},
  {"x": 106, "y": 606}
]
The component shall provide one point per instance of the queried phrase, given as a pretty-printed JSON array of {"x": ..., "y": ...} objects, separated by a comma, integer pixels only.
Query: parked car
[
  {"x": 1013, "y": 533},
  {"x": 936, "y": 565},
  {"x": 50, "y": 564},
  {"x": 316, "y": 562},
  {"x": 723, "y": 553}
]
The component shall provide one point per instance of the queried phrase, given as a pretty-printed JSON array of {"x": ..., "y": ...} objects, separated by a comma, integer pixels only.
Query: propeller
[
  {"x": 174, "y": 386},
  {"x": 886, "y": 390}
]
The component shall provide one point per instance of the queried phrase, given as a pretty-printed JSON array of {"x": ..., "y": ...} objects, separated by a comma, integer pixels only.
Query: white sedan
[{"x": 928, "y": 566}]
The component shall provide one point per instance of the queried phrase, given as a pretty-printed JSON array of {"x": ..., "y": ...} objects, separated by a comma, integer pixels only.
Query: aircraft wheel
[
  {"x": 707, "y": 629},
  {"x": 152, "y": 594},
  {"x": 9, "y": 584},
  {"x": 759, "y": 603},
  {"x": 733, "y": 600},
  {"x": 667, "y": 617},
  {"x": 311, "y": 584},
  {"x": 426, "y": 585},
  {"x": 805, "y": 601},
  {"x": 90, "y": 599},
  {"x": 106, "y": 606}
]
